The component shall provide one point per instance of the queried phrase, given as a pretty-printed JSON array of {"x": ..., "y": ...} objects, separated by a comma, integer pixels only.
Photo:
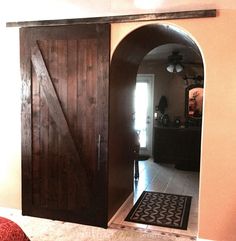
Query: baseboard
[
  {"x": 202, "y": 239},
  {"x": 115, "y": 215}
]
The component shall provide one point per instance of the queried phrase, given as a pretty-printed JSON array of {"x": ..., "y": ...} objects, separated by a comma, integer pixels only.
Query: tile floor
[
  {"x": 162, "y": 178},
  {"x": 153, "y": 177}
]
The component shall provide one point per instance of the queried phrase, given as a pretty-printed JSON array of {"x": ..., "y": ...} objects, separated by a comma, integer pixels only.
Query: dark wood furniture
[
  {"x": 140, "y": 157},
  {"x": 179, "y": 146}
]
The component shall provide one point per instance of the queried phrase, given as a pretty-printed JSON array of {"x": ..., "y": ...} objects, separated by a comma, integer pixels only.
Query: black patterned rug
[{"x": 161, "y": 209}]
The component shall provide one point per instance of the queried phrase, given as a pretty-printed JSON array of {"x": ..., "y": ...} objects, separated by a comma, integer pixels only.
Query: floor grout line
[{"x": 171, "y": 178}]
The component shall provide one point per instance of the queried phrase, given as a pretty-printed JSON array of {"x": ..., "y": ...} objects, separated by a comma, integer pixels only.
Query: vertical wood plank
[
  {"x": 54, "y": 154},
  {"x": 26, "y": 131},
  {"x": 102, "y": 116},
  {"x": 44, "y": 149},
  {"x": 59, "y": 117},
  {"x": 91, "y": 105},
  {"x": 72, "y": 112},
  {"x": 103, "y": 87},
  {"x": 36, "y": 169},
  {"x": 44, "y": 138},
  {"x": 63, "y": 170},
  {"x": 81, "y": 90}
]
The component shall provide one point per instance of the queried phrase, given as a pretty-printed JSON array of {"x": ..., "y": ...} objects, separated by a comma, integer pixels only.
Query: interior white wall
[{"x": 10, "y": 141}]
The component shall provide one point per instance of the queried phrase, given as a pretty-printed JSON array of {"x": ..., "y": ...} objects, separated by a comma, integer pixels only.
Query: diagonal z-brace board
[{"x": 59, "y": 116}]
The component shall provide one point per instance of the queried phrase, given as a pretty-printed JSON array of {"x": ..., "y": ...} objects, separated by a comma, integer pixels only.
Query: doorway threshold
[
  {"x": 117, "y": 222},
  {"x": 172, "y": 174}
]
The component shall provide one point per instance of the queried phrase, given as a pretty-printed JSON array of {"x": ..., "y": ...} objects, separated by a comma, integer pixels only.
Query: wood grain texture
[
  {"x": 179, "y": 146},
  {"x": 49, "y": 53},
  {"x": 63, "y": 166},
  {"x": 69, "y": 111},
  {"x": 72, "y": 73},
  {"x": 26, "y": 130},
  {"x": 44, "y": 144},
  {"x": 57, "y": 114},
  {"x": 119, "y": 19},
  {"x": 36, "y": 139}
]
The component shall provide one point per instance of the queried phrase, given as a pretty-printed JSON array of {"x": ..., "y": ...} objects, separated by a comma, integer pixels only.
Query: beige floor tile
[{"x": 164, "y": 178}]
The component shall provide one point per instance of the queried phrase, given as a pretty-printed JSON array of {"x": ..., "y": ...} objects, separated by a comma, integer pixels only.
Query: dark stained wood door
[{"x": 65, "y": 122}]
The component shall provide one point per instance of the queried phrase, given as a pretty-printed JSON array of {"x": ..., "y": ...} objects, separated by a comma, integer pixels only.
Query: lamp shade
[
  {"x": 174, "y": 62},
  {"x": 174, "y": 68}
]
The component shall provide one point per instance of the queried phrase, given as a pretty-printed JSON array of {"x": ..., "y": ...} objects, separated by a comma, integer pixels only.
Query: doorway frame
[
  {"x": 118, "y": 19},
  {"x": 151, "y": 82},
  {"x": 124, "y": 57}
]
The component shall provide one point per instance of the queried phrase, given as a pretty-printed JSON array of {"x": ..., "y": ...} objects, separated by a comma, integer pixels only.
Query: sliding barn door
[{"x": 64, "y": 122}]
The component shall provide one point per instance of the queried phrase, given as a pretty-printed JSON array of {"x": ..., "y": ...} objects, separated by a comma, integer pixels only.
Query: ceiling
[
  {"x": 61, "y": 9},
  {"x": 161, "y": 53}
]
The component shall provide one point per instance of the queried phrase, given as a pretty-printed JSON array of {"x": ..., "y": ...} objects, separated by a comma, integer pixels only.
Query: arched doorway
[{"x": 124, "y": 68}]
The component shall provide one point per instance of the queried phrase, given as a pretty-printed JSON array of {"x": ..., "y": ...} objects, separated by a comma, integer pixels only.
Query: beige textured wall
[
  {"x": 170, "y": 85},
  {"x": 10, "y": 140},
  {"x": 216, "y": 39}
]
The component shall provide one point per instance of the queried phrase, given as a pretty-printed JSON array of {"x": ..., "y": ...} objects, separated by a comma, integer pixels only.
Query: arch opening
[{"x": 139, "y": 46}]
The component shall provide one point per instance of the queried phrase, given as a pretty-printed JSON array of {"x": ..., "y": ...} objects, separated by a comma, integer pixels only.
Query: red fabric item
[{"x": 10, "y": 231}]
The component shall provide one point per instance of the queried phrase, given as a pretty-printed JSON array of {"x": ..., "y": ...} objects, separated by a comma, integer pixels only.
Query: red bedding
[{"x": 10, "y": 231}]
